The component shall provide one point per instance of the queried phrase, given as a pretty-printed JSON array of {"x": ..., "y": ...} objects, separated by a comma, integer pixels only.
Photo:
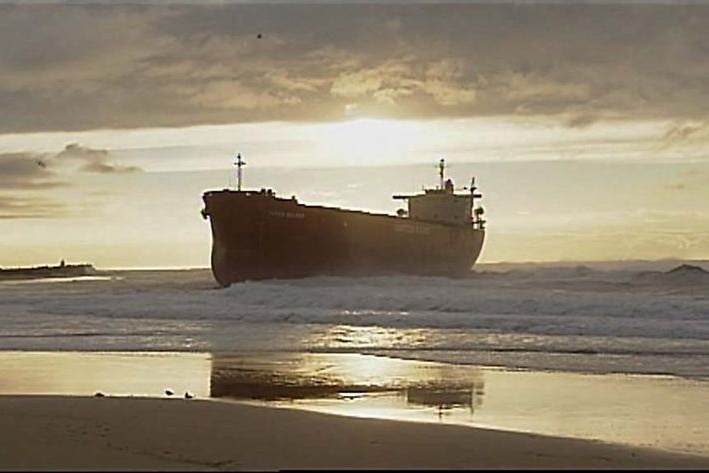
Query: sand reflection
[{"x": 375, "y": 386}]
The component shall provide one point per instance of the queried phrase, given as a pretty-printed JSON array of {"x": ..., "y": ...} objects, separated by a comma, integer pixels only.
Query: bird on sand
[
  {"x": 99, "y": 394},
  {"x": 169, "y": 392},
  {"x": 188, "y": 395}
]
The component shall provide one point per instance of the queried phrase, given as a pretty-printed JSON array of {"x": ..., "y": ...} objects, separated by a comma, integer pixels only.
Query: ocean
[
  {"x": 557, "y": 318},
  {"x": 624, "y": 343}
]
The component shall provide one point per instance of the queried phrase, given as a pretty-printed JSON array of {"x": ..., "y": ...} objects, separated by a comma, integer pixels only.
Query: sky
[{"x": 585, "y": 124}]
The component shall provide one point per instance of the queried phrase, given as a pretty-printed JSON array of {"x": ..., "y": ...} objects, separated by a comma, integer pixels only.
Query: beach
[
  {"x": 261, "y": 411},
  {"x": 53, "y": 432},
  {"x": 541, "y": 368}
]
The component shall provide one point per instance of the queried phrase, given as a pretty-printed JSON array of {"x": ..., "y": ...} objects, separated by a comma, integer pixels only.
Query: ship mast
[
  {"x": 441, "y": 169},
  {"x": 239, "y": 164}
]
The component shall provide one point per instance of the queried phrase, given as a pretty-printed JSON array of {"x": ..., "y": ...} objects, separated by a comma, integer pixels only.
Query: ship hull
[{"x": 258, "y": 236}]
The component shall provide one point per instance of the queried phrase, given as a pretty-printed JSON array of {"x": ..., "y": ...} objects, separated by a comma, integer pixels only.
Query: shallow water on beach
[
  {"x": 616, "y": 354},
  {"x": 658, "y": 411}
]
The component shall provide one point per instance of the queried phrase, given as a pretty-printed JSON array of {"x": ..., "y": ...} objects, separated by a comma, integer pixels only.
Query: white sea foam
[{"x": 573, "y": 318}]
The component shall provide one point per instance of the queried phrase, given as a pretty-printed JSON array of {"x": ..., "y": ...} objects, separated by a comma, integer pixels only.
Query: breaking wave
[{"x": 546, "y": 318}]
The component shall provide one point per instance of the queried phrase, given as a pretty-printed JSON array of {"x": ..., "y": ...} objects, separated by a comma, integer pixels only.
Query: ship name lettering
[
  {"x": 283, "y": 214},
  {"x": 412, "y": 228}
]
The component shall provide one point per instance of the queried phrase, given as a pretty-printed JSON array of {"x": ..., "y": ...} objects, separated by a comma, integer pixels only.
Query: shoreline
[
  {"x": 385, "y": 354},
  {"x": 67, "y": 432},
  {"x": 612, "y": 408}
]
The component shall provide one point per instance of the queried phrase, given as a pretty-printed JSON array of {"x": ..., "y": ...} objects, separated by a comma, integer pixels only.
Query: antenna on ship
[
  {"x": 441, "y": 169},
  {"x": 239, "y": 164},
  {"x": 472, "y": 191}
]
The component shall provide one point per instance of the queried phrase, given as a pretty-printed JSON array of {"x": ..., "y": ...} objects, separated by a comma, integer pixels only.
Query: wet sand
[{"x": 56, "y": 432}]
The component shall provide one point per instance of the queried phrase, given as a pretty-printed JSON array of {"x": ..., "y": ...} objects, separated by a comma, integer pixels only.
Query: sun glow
[{"x": 368, "y": 141}]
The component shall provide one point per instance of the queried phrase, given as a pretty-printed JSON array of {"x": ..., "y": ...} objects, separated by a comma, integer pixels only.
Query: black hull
[{"x": 259, "y": 236}]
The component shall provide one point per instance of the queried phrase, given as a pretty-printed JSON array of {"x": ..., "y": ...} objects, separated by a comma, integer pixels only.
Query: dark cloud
[
  {"x": 26, "y": 171},
  {"x": 581, "y": 121},
  {"x": 125, "y": 66},
  {"x": 685, "y": 131},
  {"x": 22, "y": 177},
  {"x": 31, "y": 178},
  {"x": 46, "y": 170},
  {"x": 91, "y": 160}
]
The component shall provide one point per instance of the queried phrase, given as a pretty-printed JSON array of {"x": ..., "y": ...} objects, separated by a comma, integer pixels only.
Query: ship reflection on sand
[
  {"x": 374, "y": 383},
  {"x": 347, "y": 383},
  {"x": 444, "y": 399},
  {"x": 607, "y": 407}
]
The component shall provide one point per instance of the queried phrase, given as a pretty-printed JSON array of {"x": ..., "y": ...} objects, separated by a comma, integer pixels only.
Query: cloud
[
  {"x": 26, "y": 171},
  {"x": 686, "y": 131},
  {"x": 14, "y": 207},
  {"x": 33, "y": 177},
  {"x": 26, "y": 175},
  {"x": 581, "y": 120},
  {"x": 90, "y": 160},
  {"x": 446, "y": 80},
  {"x": 90, "y": 66},
  {"x": 357, "y": 83}
]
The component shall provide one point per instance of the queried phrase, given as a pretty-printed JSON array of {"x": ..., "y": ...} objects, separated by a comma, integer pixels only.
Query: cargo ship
[{"x": 258, "y": 235}]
